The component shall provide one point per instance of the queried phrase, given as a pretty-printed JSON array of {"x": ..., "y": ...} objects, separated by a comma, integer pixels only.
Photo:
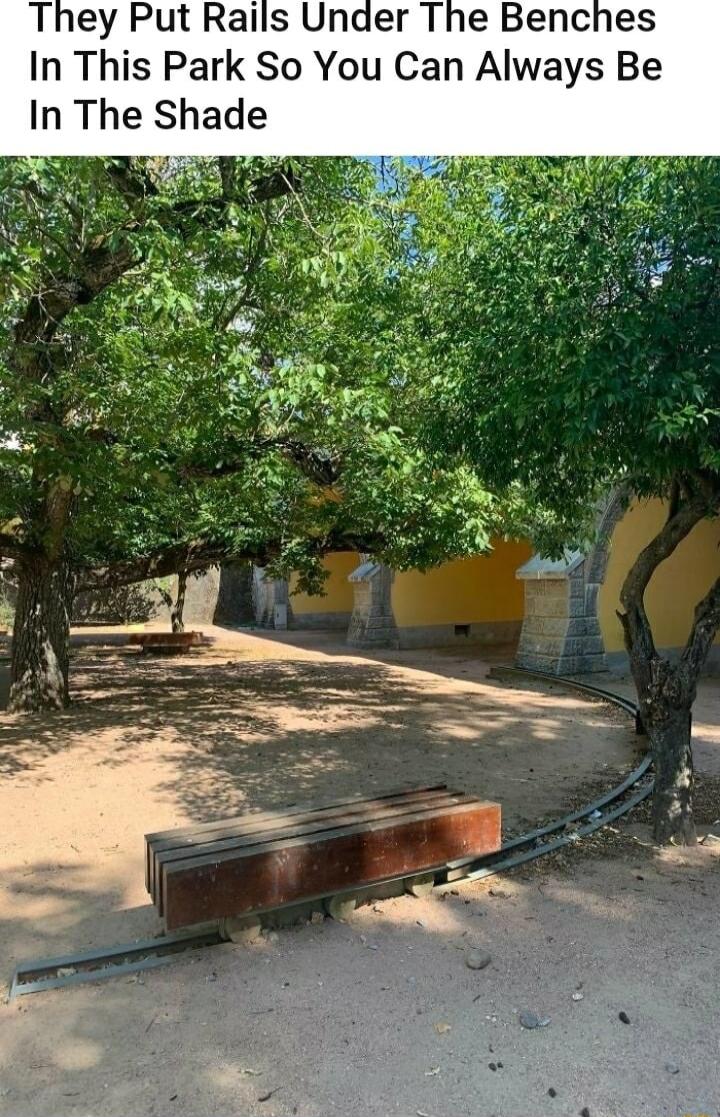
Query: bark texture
[
  {"x": 666, "y": 693},
  {"x": 176, "y": 614},
  {"x": 39, "y": 671}
]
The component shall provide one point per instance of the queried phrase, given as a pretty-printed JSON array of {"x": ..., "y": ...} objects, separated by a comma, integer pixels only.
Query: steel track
[{"x": 56, "y": 973}]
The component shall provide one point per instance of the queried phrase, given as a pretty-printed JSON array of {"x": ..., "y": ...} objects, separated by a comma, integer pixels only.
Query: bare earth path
[{"x": 342, "y": 1018}]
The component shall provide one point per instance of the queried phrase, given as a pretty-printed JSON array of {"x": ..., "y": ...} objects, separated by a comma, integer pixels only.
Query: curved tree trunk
[
  {"x": 176, "y": 614},
  {"x": 666, "y": 694},
  {"x": 41, "y": 630}
]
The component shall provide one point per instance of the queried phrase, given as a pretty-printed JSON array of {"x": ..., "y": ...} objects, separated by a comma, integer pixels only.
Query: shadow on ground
[{"x": 248, "y": 734}]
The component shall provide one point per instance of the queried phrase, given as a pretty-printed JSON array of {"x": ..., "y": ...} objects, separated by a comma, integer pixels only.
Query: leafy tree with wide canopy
[
  {"x": 198, "y": 363},
  {"x": 572, "y": 337}
]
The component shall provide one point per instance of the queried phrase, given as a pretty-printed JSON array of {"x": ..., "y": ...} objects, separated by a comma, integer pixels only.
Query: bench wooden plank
[
  {"x": 170, "y": 639},
  {"x": 322, "y": 818},
  {"x": 272, "y": 874},
  {"x": 153, "y": 841},
  {"x": 303, "y": 828}
]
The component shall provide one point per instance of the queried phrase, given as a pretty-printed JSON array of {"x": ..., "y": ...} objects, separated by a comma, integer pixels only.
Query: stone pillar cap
[
  {"x": 539, "y": 567},
  {"x": 365, "y": 571}
]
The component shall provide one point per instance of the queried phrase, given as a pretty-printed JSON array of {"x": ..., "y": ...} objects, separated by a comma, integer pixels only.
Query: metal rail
[
  {"x": 530, "y": 845},
  {"x": 57, "y": 973},
  {"x": 94, "y": 965}
]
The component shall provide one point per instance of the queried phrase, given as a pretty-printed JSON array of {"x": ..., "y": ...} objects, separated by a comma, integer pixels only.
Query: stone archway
[{"x": 561, "y": 632}]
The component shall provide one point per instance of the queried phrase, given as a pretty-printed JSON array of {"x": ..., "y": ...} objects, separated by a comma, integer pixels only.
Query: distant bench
[
  {"x": 259, "y": 862},
  {"x": 168, "y": 643}
]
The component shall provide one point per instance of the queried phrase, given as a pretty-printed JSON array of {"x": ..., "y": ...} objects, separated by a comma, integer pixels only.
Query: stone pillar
[
  {"x": 271, "y": 599},
  {"x": 372, "y": 624},
  {"x": 560, "y": 632}
]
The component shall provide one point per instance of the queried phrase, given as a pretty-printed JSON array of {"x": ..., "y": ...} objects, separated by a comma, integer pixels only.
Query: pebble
[
  {"x": 585, "y": 1112},
  {"x": 671, "y": 1068},
  {"x": 624, "y": 1017},
  {"x": 578, "y": 996},
  {"x": 477, "y": 959},
  {"x": 552, "y": 1093},
  {"x": 530, "y": 1020}
]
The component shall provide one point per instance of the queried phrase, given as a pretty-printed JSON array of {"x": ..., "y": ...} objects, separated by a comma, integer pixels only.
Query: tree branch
[
  {"x": 109, "y": 257},
  {"x": 637, "y": 630},
  {"x": 187, "y": 556},
  {"x": 200, "y": 554},
  {"x": 321, "y": 467},
  {"x": 677, "y": 528},
  {"x": 704, "y": 630}
]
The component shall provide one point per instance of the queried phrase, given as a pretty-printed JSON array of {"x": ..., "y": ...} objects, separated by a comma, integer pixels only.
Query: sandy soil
[{"x": 342, "y": 1017}]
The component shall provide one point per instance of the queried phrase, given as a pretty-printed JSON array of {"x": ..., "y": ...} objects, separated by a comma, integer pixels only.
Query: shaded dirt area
[{"x": 341, "y": 1017}]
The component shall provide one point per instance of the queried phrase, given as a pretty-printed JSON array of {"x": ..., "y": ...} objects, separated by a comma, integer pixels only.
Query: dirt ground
[{"x": 380, "y": 1015}]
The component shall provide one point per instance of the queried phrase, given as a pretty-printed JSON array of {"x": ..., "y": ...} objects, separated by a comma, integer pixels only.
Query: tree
[
  {"x": 180, "y": 384},
  {"x": 573, "y": 320},
  {"x": 175, "y": 604}
]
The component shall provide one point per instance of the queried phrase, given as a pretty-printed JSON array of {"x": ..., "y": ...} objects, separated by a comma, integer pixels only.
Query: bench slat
[
  {"x": 322, "y": 818},
  {"x": 203, "y": 829},
  {"x": 305, "y": 827}
]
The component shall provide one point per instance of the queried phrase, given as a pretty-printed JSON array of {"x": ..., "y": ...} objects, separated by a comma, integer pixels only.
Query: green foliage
[
  {"x": 570, "y": 326},
  {"x": 172, "y": 404}
]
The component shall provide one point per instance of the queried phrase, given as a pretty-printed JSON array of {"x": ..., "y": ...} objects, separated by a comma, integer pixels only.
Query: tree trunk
[
  {"x": 667, "y": 691},
  {"x": 672, "y": 806},
  {"x": 41, "y": 630},
  {"x": 176, "y": 615}
]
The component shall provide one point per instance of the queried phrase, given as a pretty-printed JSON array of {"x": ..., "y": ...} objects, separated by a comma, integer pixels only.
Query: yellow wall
[
  {"x": 676, "y": 586},
  {"x": 338, "y": 596},
  {"x": 465, "y": 591}
]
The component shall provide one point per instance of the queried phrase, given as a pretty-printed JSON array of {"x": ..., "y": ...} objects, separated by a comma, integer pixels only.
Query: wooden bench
[
  {"x": 257, "y": 863},
  {"x": 168, "y": 643}
]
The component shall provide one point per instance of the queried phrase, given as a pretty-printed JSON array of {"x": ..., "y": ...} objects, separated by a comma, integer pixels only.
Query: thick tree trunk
[
  {"x": 39, "y": 671},
  {"x": 673, "y": 795},
  {"x": 176, "y": 614},
  {"x": 666, "y": 693}
]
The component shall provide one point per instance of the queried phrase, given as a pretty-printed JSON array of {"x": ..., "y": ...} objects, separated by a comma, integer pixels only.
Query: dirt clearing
[{"x": 346, "y": 1018}]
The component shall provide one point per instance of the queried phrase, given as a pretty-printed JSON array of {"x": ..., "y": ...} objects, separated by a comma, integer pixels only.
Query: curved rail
[
  {"x": 529, "y": 846},
  {"x": 55, "y": 973}
]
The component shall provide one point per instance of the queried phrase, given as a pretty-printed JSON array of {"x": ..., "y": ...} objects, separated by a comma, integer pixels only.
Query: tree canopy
[
  {"x": 574, "y": 322},
  {"x": 239, "y": 338}
]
